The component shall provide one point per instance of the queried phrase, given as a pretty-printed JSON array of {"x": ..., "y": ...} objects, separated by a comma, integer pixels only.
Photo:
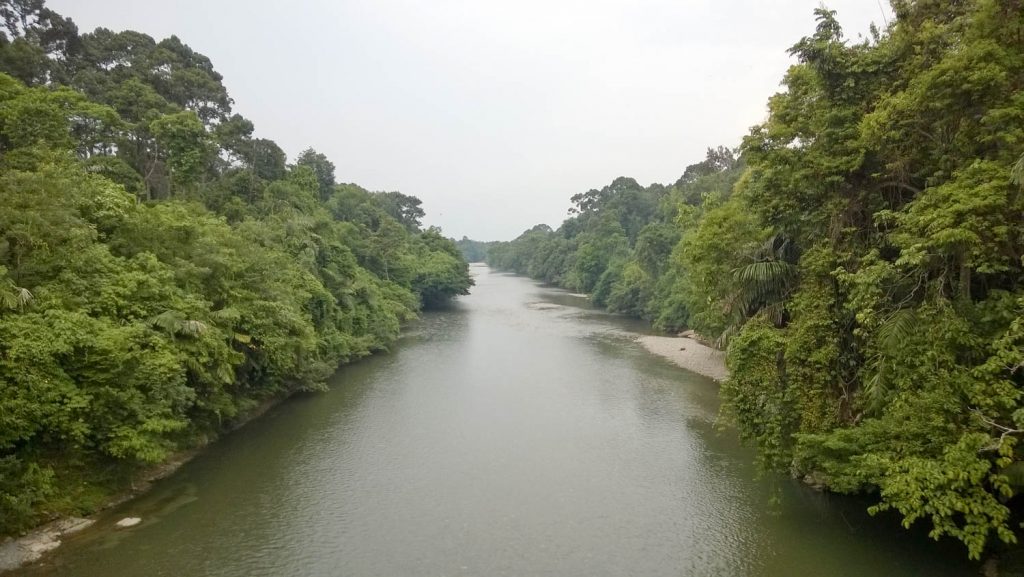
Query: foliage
[
  {"x": 474, "y": 250},
  {"x": 161, "y": 271},
  {"x": 622, "y": 243},
  {"x": 861, "y": 259}
]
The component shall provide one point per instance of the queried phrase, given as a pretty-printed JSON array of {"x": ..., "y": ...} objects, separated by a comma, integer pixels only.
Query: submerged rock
[{"x": 128, "y": 522}]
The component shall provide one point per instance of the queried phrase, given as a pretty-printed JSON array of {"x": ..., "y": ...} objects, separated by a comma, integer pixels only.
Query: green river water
[{"x": 517, "y": 433}]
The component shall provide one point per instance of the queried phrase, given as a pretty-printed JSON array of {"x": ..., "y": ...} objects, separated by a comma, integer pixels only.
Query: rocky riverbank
[{"x": 17, "y": 552}]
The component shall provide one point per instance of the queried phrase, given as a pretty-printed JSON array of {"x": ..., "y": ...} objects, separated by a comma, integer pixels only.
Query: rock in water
[{"x": 128, "y": 522}]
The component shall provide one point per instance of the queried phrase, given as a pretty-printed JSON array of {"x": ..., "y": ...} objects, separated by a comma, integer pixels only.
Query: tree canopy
[
  {"x": 859, "y": 256},
  {"x": 162, "y": 271}
]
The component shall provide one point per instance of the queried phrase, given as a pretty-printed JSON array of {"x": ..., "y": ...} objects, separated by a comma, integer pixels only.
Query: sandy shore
[{"x": 689, "y": 354}]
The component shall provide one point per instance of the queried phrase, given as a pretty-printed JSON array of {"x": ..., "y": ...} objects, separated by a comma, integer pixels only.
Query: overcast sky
[{"x": 492, "y": 112}]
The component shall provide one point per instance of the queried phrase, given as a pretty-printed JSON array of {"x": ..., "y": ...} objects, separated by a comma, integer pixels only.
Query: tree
[
  {"x": 403, "y": 208},
  {"x": 322, "y": 168},
  {"x": 37, "y": 42},
  {"x": 130, "y": 330},
  {"x": 184, "y": 143}
]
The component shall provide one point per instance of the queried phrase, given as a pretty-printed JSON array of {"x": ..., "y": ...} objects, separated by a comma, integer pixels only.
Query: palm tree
[{"x": 763, "y": 285}]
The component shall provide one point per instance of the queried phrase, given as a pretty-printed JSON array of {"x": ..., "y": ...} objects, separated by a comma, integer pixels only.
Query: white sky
[{"x": 492, "y": 112}]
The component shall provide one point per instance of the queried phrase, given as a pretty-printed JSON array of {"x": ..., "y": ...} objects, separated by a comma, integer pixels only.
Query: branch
[
  {"x": 1006, "y": 431},
  {"x": 902, "y": 185}
]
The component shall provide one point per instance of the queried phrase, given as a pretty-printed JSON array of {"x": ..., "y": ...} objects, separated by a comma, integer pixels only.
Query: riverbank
[
  {"x": 688, "y": 354},
  {"x": 16, "y": 552},
  {"x": 685, "y": 351},
  {"x": 492, "y": 433}
]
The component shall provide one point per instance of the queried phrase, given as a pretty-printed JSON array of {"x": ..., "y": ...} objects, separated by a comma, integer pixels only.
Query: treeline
[
  {"x": 474, "y": 250},
  {"x": 861, "y": 260},
  {"x": 623, "y": 243},
  {"x": 162, "y": 270}
]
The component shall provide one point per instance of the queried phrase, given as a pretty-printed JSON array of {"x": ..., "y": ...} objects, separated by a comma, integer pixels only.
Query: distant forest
[
  {"x": 859, "y": 256},
  {"x": 474, "y": 250},
  {"x": 163, "y": 272}
]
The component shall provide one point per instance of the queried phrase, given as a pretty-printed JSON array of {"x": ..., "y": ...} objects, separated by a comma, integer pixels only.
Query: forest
[
  {"x": 474, "y": 250},
  {"x": 859, "y": 257},
  {"x": 163, "y": 271}
]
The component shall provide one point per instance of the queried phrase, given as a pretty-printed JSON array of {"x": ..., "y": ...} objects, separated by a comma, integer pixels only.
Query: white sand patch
[{"x": 689, "y": 354}]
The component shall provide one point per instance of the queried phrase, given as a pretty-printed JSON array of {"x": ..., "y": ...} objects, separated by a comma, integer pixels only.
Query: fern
[{"x": 174, "y": 323}]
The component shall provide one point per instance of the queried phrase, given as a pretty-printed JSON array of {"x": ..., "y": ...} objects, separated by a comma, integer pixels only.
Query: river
[{"x": 517, "y": 433}]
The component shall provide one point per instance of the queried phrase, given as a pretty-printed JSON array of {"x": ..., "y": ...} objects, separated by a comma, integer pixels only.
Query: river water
[{"x": 517, "y": 433}]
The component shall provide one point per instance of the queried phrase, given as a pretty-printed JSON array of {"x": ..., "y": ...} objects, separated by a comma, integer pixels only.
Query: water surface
[{"x": 517, "y": 433}]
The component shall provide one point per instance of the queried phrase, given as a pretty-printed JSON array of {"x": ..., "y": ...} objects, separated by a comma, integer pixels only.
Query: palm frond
[
  {"x": 24, "y": 296},
  {"x": 167, "y": 321},
  {"x": 766, "y": 277},
  {"x": 227, "y": 315},
  {"x": 192, "y": 328},
  {"x": 15, "y": 298},
  {"x": 895, "y": 330},
  {"x": 892, "y": 334},
  {"x": 876, "y": 388},
  {"x": 175, "y": 323},
  {"x": 761, "y": 284}
]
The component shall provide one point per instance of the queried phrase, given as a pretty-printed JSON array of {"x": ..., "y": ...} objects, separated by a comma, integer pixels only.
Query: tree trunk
[{"x": 964, "y": 291}]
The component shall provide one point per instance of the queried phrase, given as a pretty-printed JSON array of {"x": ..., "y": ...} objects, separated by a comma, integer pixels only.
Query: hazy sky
[{"x": 492, "y": 112}]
